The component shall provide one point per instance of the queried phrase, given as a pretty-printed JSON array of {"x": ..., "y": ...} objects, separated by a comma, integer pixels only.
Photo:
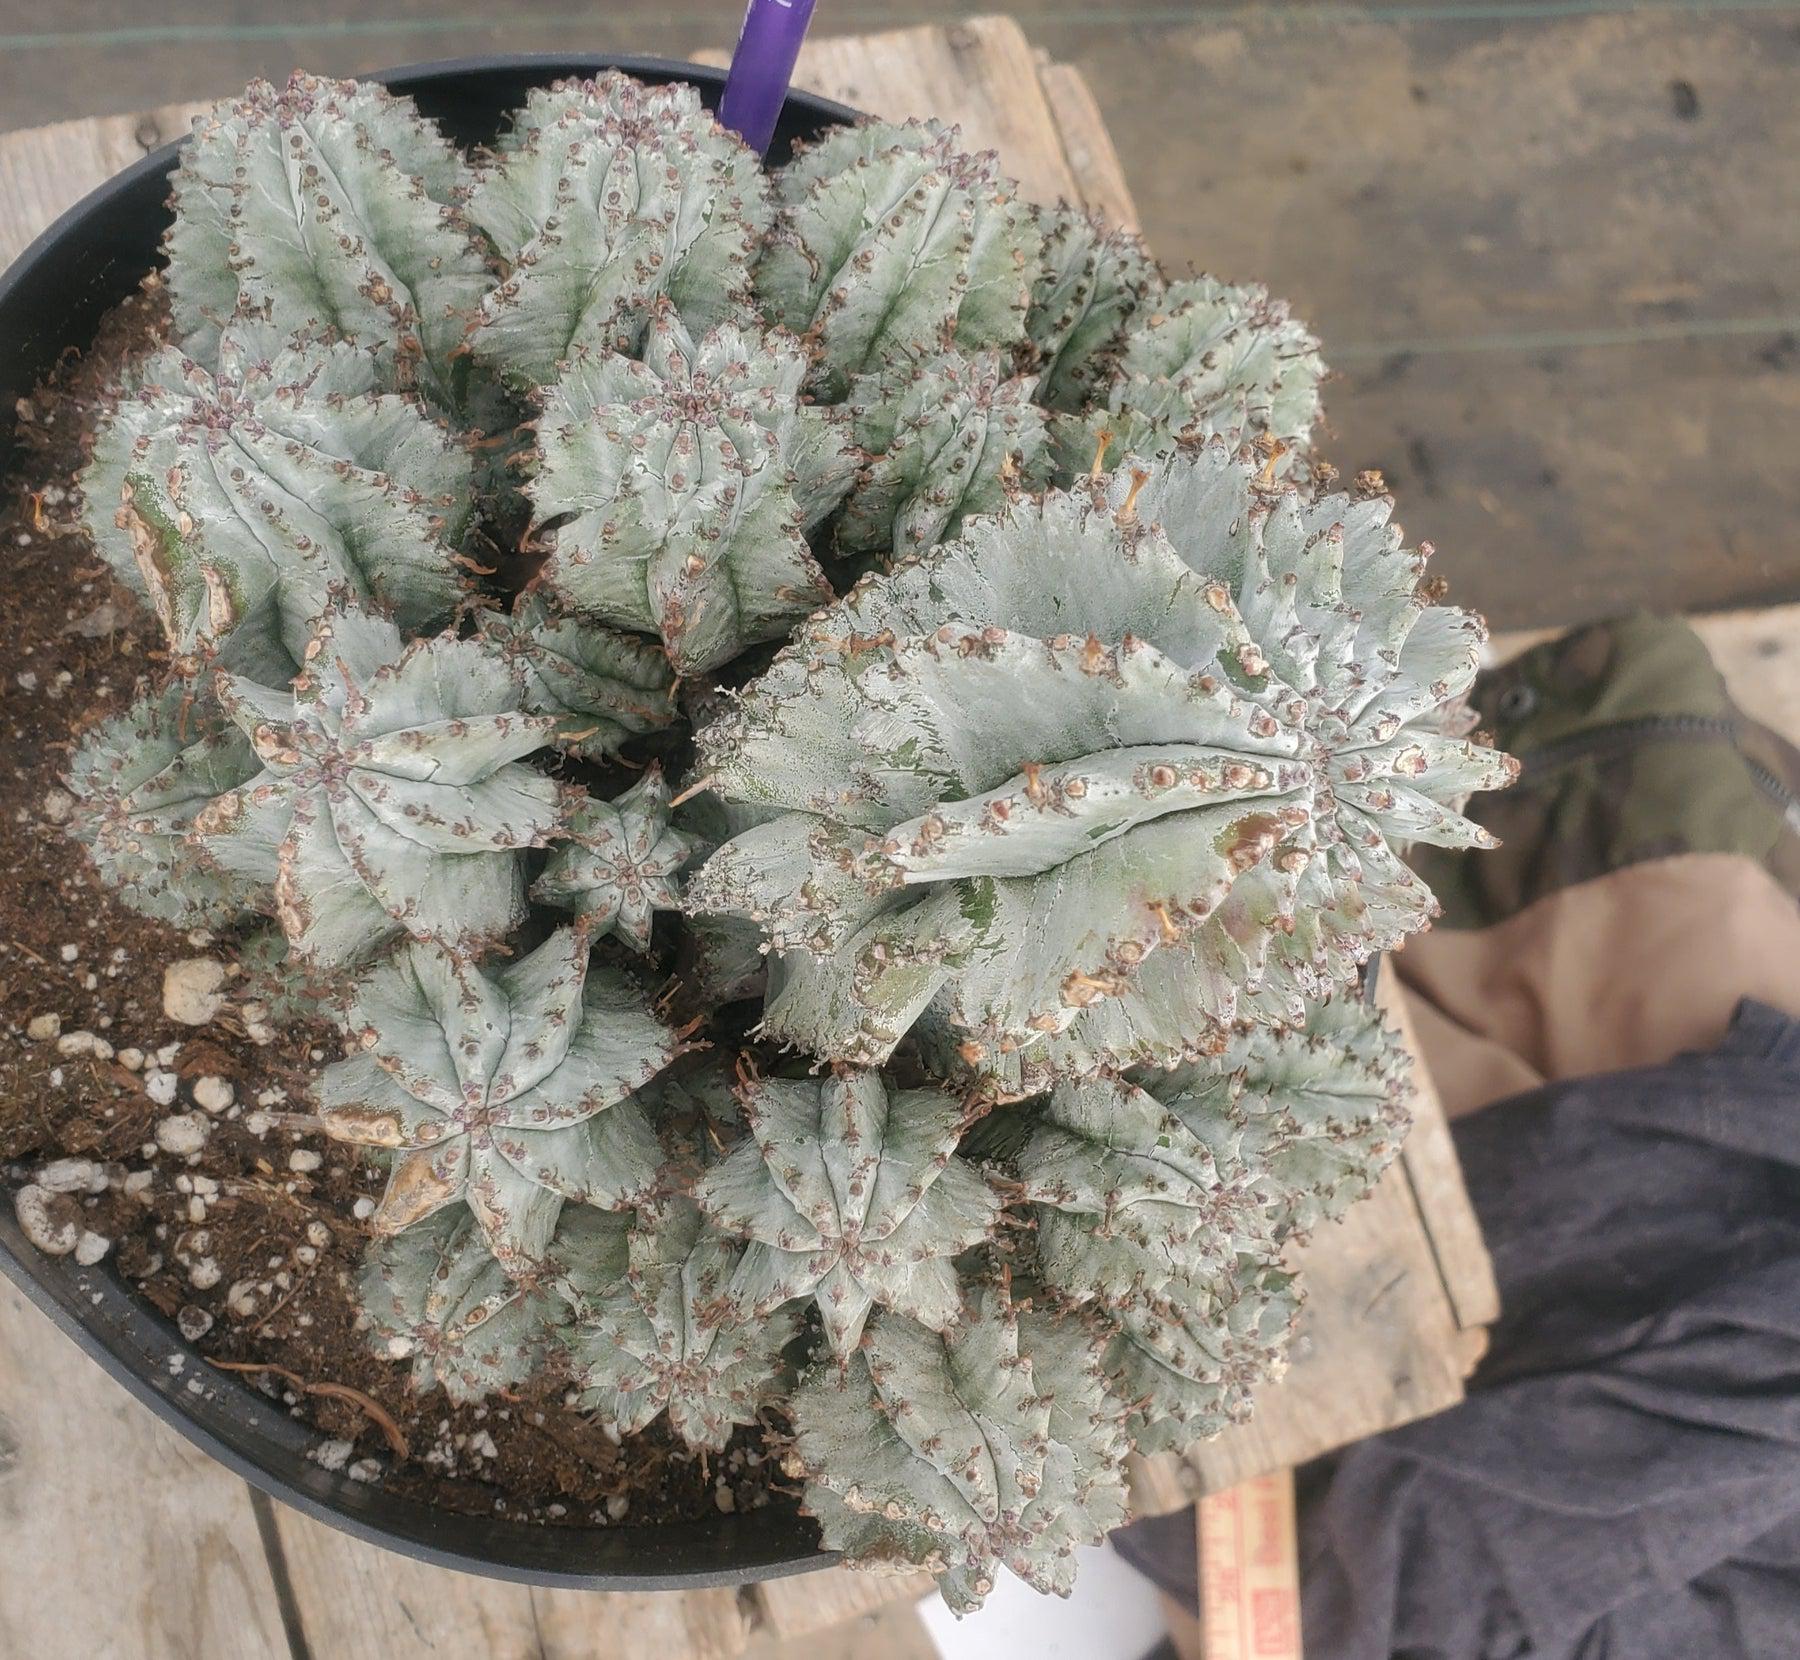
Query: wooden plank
[
  {"x": 1429, "y": 1157},
  {"x": 360, "y": 1603},
  {"x": 1088, "y": 146},
  {"x": 44, "y": 170},
  {"x": 117, "y": 1538},
  {"x": 816, "y": 1601}
]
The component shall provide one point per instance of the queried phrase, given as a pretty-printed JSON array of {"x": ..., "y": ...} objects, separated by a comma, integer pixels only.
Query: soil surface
[{"x": 251, "y": 1240}]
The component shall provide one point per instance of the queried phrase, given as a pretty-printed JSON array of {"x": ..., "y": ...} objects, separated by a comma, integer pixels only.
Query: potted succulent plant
[{"x": 835, "y": 755}]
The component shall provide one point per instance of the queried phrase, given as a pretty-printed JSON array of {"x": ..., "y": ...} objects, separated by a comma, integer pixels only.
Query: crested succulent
[
  {"x": 138, "y": 781},
  {"x": 605, "y": 197},
  {"x": 326, "y": 208},
  {"x": 242, "y": 498},
  {"x": 1094, "y": 283},
  {"x": 617, "y": 869},
  {"x": 677, "y": 490},
  {"x": 669, "y": 1336},
  {"x": 508, "y": 1092},
  {"x": 1080, "y": 791},
  {"x": 850, "y": 1194},
  {"x": 605, "y": 688},
  {"x": 948, "y": 1067},
  {"x": 947, "y": 439},
  {"x": 944, "y": 1452},
  {"x": 392, "y": 799},
  {"x": 889, "y": 244},
  {"x": 1207, "y": 361}
]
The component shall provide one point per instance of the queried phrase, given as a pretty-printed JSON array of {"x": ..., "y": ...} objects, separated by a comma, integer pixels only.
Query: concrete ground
[{"x": 1552, "y": 246}]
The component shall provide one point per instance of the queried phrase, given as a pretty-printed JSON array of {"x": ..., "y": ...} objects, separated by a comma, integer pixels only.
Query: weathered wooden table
[{"x": 118, "y": 1538}]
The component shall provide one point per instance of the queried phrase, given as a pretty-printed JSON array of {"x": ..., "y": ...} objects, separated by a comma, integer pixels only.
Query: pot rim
[{"x": 247, "y": 1432}]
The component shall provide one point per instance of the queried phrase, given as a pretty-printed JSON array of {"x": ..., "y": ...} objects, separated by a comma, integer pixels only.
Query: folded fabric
[{"x": 1624, "y": 1479}]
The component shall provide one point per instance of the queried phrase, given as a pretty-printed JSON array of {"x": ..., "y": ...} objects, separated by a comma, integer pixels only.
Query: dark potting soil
[{"x": 253, "y": 1241}]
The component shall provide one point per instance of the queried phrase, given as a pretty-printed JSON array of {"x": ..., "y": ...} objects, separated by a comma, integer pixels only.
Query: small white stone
[
  {"x": 306, "y": 1255},
  {"x": 482, "y": 1445},
  {"x": 49, "y": 1220},
  {"x": 205, "y": 1274},
  {"x": 182, "y": 1133},
  {"x": 317, "y": 1235},
  {"x": 304, "y": 1159},
  {"x": 365, "y": 1469},
  {"x": 241, "y": 1299},
  {"x": 58, "y": 804},
  {"x": 43, "y": 1027},
  {"x": 84, "y": 1043},
  {"x": 258, "y": 1123},
  {"x": 363, "y": 1209},
  {"x": 71, "y": 1176},
  {"x": 196, "y": 1209},
  {"x": 132, "y": 1059},
  {"x": 139, "y": 1181},
  {"x": 28, "y": 681},
  {"x": 70, "y": 953},
  {"x": 205, "y": 1186},
  {"x": 618, "y": 1506},
  {"x": 214, "y": 1094},
  {"x": 332, "y": 1455},
  {"x": 91, "y": 1247},
  {"x": 399, "y": 1348},
  {"x": 56, "y": 1076},
  {"x": 193, "y": 1322},
  {"x": 270, "y": 1097},
  {"x": 165, "y": 1056},
  {"x": 160, "y": 1087},
  {"x": 724, "y": 1498},
  {"x": 193, "y": 990}
]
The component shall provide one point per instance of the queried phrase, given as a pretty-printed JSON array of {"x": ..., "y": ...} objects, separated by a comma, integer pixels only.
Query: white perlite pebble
[
  {"x": 365, "y": 1470},
  {"x": 617, "y": 1507},
  {"x": 182, "y": 1133},
  {"x": 193, "y": 990},
  {"x": 160, "y": 1087},
  {"x": 241, "y": 1299},
  {"x": 205, "y": 1274},
  {"x": 132, "y": 1059},
  {"x": 304, "y": 1159},
  {"x": 71, "y": 1176},
  {"x": 49, "y": 1220},
  {"x": 258, "y": 1123},
  {"x": 193, "y": 1322},
  {"x": 43, "y": 1027},
  {"x": 214, "y": 1094},
  {"x": 84, "y": 1043},
  {"x": 70, "y": 953},
  {"x": 91, "y": 1247},
  {"x": 332, "y": 1455},
  {"x": 139, "y": 1181},
  {"x": 363, "y": 1209},
  {"x": 317, "y": 1235},
  {"x": 58, "y": 804}
]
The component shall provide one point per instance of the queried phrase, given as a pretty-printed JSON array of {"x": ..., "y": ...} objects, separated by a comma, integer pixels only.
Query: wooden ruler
[{"x": 1250, "y": 1571}]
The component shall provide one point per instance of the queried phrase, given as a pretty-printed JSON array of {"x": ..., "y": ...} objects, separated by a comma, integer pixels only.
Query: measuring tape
[{"x": 1250, "y": 1571}]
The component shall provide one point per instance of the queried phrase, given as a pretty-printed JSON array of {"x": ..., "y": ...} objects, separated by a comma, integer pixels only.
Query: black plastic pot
[{"x": 53, "y": 298}]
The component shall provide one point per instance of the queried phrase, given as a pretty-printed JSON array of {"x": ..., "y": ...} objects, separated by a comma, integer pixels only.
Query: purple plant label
[{"x": 761, "y": 68}]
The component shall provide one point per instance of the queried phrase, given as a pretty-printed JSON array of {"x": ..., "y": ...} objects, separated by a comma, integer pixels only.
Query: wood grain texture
[
  {"x": 356, "y": 1603},
  {"x": 814, "y": 1602},
  {"x": 46, "y": 170},
  {"x": 118, "y": 1540}
]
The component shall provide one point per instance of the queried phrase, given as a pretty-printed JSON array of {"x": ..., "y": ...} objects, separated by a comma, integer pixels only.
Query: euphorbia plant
[{"x": 935, "y": 1068}]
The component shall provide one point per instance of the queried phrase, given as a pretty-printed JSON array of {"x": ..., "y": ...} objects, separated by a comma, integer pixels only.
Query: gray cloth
[{"x": 1624, "y": 1481}]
